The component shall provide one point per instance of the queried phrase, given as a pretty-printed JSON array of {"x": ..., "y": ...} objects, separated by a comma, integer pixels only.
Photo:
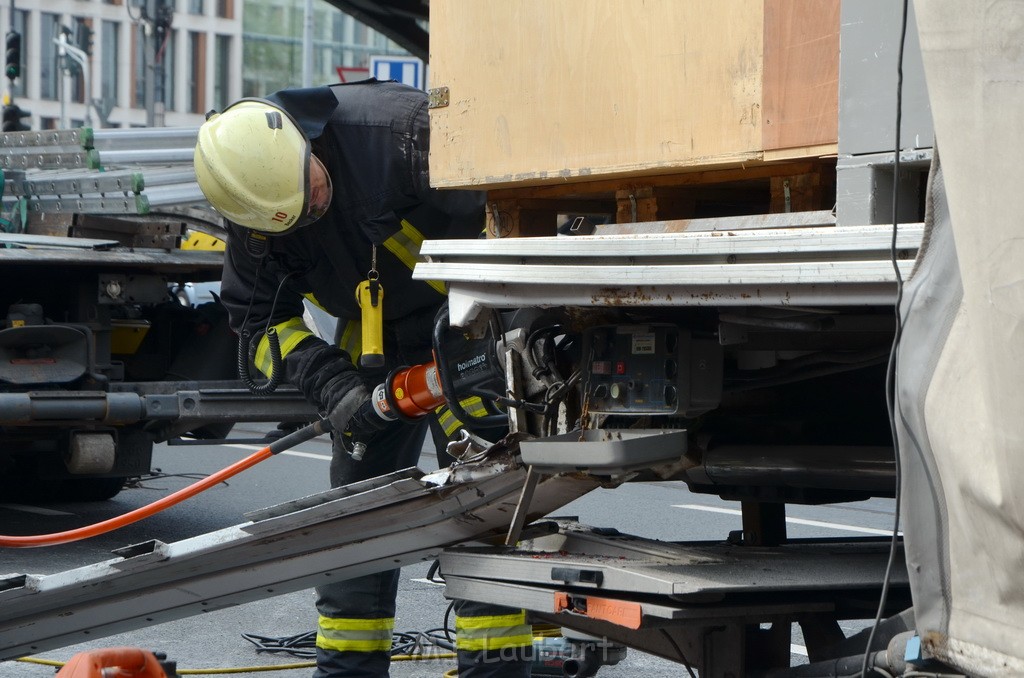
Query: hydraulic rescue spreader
[
  {"x": 462, "y": 368},
  {"x": 408, "y": 393}
]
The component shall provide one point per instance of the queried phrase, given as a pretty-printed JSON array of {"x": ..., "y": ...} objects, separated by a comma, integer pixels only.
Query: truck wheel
[{"x": 90, "y": 489}]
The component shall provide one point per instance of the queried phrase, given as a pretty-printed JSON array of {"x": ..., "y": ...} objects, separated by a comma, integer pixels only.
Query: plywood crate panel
[{"x": 548, "y": 91}]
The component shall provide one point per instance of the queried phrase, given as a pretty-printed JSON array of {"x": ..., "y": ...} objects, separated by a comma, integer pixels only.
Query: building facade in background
[
  {"x": 272, "y": 33},
  {"x": 207, "y": 54}
]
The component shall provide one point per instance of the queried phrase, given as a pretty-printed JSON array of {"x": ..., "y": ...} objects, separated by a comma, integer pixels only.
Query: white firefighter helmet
[{"x": 253, "y": 163}]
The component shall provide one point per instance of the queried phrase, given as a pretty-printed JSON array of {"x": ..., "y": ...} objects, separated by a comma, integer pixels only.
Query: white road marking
[
  {"x": 424, "y": 580},
  {"x": 24, "y": 508},
  {"x": 308, "y": 455},
  {"x": 794, "y": 521},
  {"x": 798, "y": 649},
  {"x": 293, "y": 453}
]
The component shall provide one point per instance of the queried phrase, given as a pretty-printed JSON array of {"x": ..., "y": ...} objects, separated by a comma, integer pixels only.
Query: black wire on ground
[
  {"x": 890, "y": 377},
  {"x": 136, "y": 482},
  {"x": 405, "y": 643}
]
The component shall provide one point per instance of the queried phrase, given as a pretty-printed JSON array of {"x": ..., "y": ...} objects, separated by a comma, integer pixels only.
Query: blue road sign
[{"x": 407, "y": 70}]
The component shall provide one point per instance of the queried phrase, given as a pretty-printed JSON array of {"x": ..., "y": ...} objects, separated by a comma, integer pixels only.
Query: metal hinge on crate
[{"x": 437, "y": 97}]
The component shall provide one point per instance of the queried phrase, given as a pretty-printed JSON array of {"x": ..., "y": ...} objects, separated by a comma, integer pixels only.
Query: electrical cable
[
  {"x": 117, "y": 522},
  {"x": 890, "y": 377},
  {"x": 679, "y": 651},
  {"x": 246, "y": 350}
]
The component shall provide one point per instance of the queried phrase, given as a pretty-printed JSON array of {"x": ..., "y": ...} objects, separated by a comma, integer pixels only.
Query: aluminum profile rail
[
  {"x": 76, "y": 138},
  {"x": 150, "y": 137},
  {"x": 702, "y": 266},
  {"x": 367, "y": 527},
  {"x": 64, "y": 182},
  {"x": 119, "y": 172},
  {"x": 51, "y": 158}
]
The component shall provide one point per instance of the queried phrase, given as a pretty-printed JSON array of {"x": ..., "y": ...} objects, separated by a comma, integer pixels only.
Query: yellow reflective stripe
[
  {"x": 473, "y": 405},
  {"x": 406, "y": 246},
  {"x": 289, "y": 334},
  {"x": 490, "y": 621},
  {"x": 351, "y": 340},
  {"x": 493, "y": 632},
  {"x": 448, "y": 421},
  {"x": 355, "y": 635}
]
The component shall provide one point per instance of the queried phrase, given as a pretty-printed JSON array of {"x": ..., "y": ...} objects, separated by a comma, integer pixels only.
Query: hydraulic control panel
[{"x": 650, "y": 369}]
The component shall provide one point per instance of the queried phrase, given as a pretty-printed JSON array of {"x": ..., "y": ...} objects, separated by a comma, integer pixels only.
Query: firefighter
[{"x": 326, "y": 188}]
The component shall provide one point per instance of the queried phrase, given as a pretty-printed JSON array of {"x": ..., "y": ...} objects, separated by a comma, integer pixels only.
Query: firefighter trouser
[{"x": 357, "y": 616}]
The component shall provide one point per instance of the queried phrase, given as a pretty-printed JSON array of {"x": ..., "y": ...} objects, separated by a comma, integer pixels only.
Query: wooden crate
[{"x": 545, "y": 92}]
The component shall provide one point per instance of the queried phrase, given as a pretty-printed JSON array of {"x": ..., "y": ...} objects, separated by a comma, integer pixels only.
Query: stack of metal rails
[{"x": 133, "y": 172}]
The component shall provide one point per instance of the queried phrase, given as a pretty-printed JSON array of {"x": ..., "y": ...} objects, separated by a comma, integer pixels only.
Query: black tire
[{"x": 90, "y": 489}]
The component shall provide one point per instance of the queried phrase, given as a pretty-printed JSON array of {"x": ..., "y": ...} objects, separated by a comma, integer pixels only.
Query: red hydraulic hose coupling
[{"x": 409, "y": 393}]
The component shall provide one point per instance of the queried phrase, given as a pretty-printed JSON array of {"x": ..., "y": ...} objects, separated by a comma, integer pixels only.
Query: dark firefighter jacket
[{"x": 373, "y": 138}]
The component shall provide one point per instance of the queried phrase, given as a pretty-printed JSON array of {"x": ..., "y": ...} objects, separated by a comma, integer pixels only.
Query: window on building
[
  {"x": 20, "y": 26},
  {"x": 109, "y": 70},
  {"x": 222, "y": 72},
  {"x": 168, "y": 59},
  {"x": 197, "y": 70},
  {"x": 49, "y": 70},
  {"x": 164, "y": 59},
  {"x": 138, "y": 98},
  {"x": 226, "y": 9},
  {"x": 195, "y": 6},
  {"x": 80, "y": 36}
]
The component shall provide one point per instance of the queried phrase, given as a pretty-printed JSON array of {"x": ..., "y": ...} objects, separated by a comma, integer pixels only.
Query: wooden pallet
[{"x": 802, "y": 186}]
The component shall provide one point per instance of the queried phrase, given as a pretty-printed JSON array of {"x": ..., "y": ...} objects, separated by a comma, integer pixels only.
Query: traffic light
[
  {"x": 12, "y": 118},
  {"x": 13, "y": 60}
]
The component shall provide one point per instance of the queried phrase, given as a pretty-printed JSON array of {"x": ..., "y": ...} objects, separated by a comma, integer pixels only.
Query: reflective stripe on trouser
[
  {"x": 473, "y": 406},
  {"x": 355, "y": 635},
  {"x": 492, "y": 641},
  {"x": 289, "y": 334},
  {"x": 356, "y": 619},
  {"x": 371, "y": 597},
  {"x": 493, "y": 631}
]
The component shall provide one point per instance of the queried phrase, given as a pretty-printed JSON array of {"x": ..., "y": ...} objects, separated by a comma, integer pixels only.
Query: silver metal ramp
[
  {"x": 366, "y": 527},
  {"x": 714, "y": 262}
]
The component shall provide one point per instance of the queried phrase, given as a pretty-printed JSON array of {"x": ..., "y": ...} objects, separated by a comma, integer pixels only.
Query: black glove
[
  {"x": 353, "y": 413},
  {"x": 341, "y": 406},
  {"x": 365, "y": 421}
]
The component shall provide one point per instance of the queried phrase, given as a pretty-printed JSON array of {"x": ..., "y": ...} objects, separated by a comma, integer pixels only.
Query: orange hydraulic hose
[{"x": 170, "y": 500}]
